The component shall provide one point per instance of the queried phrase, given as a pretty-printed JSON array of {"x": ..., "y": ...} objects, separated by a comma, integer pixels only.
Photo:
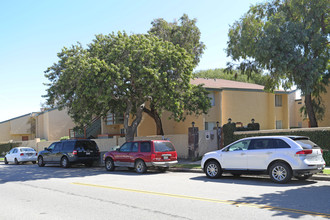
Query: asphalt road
[{"x": 31, "y": 192}]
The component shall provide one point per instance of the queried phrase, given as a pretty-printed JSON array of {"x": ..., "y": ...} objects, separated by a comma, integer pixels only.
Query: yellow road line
[{"x": 209, "y": 200}]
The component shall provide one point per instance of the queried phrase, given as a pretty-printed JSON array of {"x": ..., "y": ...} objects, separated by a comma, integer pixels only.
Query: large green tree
[
  {"x": 186, "y": 34},
  {"x": 120, "y": 73},
  {"x": 288, "y": 39}
]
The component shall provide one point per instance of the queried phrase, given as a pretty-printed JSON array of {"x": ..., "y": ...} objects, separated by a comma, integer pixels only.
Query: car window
[
  {"x": 163, "y": 146},
  {"x": 307, "y": 144},
  {"x": 145, "y": 147},
  {"x": 57, "y": 147},
  {"x": 52, "y": 146},
  {"x": 87, "y": 145},
  {"x": 280, "y": 144},
  {"x": 242, "y": 145},
  {"x": 260, "y": 144},
  {"x": 126, "y": 147},
  {"x": 135, "y": 147},
  {"x": 68, "y": 146},
  {"x": 27, "y": 150}
]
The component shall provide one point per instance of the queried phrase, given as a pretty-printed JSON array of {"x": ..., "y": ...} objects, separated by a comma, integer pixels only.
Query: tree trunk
[
  {"x": 310, "y": 110},
  {"x": 158, "y": 121},
  {"x": 130, "y": 130}
]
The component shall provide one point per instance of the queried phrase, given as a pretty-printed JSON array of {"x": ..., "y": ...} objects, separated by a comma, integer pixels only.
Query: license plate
[
  {"x": 165, "y": 157},
  {"x": 88, "y": 153}
]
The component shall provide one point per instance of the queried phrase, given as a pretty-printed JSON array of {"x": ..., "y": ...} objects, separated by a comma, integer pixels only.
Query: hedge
[{"x": 4, "y": 148}]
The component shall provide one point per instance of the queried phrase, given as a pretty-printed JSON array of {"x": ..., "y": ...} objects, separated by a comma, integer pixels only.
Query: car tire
[
  {"x": 213, "y": 169},
  {"x": 16, "y": 161},
  {"x": 280, "y": 172},
  {"x": 33, "y": 162},
  {"x": 304, "y": 177},
  {"x": 140, "y": 166},
  {"x": 65, "y": 163},
  {"x": 6, "y": 161},
  {"x": 109, "y": 164},
  {"x": 41, "y": 162}
]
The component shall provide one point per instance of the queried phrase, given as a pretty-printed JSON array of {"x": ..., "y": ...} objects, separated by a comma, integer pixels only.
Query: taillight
[
  {"x": 75, "y": 152},
  {"x": 321, "y": 151},
  {"x": 304, "y": 152},
  {"x": 153, "y": 156},
  {"x": 21, "y": 154},
  {"x": 36, "y": 154}
]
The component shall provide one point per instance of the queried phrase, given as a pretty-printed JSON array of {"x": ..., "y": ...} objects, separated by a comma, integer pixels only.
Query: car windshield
[
  {"x": 307, "y": 144},
  {"x": 163, "y": 146},
  {"x": 27, "y": 150}
]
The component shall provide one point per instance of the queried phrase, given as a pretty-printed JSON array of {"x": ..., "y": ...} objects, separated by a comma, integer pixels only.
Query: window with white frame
[
  {"x": 278, "y": 101},
  {"x": 114, "y": 119},
  {"x": 210, "y": 125},
  {"x": 278, "y": 124},
  {"x": 212, "y": 97}
]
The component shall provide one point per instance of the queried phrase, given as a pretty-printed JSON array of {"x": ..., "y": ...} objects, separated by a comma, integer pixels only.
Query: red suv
[{"x": 142, "y": 155}]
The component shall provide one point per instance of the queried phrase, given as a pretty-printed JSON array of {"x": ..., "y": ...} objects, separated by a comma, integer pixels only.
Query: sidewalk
[{"x": 319, "y": 176}]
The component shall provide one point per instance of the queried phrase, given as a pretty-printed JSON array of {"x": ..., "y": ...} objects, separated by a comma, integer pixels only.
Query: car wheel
[
  {"x": 213, "y": 169},
  {"x": 33, "y": 162},
  {"x": 303, "y": 177},
  {"x": 16, "y": 161},
  {"x": 65, "y": 162},
  {"x": 41, "y": 162},
  {"x": 140, "y": 166},
  {"x": 6, "y": 161},
  {"x": 109, "y": 165},
  {"x": 280, "y": 173}
]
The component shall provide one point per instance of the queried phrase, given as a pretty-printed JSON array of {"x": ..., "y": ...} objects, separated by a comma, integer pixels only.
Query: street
[{"x": 50, "y": 192}]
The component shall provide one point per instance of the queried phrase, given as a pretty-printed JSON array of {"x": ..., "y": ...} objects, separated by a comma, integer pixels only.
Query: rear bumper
[
  {"x": 27, "y": 159},
  {"x": 83, "y": 159},
  {"x": 317, "y": 169},
  {"x": 163, "y": 164}
]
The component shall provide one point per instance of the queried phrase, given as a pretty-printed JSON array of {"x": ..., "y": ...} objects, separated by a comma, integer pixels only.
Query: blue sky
[{"x": 33, "y": 32}]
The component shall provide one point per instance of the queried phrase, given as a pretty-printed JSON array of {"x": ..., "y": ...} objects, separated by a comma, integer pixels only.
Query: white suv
[{"x": 279, "y": 156}]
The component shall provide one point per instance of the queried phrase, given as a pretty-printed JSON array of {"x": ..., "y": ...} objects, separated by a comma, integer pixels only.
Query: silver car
[{"x": 21, "y": 155}]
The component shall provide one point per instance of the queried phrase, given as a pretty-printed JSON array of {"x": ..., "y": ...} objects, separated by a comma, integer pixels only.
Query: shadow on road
[
  {"x": 253, "y": 181},
  {"x": 305, "y": 199},
  {"x": 27, "y": 172}
]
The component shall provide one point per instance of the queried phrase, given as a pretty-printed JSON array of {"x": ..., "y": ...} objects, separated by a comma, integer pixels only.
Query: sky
[{"x": 32, "y": 32}]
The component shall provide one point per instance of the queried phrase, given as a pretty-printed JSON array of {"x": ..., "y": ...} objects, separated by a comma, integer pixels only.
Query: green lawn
[
  {"x": 190, "y": 166},
  {"x": 326, "y": 171},
  {"x": 1, "y": 159}
]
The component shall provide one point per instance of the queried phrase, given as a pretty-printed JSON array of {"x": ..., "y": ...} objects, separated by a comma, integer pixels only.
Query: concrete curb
[{"x": 322, "y": 177}]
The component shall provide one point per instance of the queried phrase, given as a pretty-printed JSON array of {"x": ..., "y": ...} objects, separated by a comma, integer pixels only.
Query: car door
[
  {"x": 10, "y": 155},
  {"x": 48, "y": 153},
  {"x": 234, "y": 157},
  {"x": 259, "y": 152},
  {"x": 133, "y": 154},
  {"x": 57, "y": 152},
  {"x": 15, "y": 154},
  {"x": 122, "y": 157}
]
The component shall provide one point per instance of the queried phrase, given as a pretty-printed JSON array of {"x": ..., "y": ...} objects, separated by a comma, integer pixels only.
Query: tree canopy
[
  {"x": 121, "y": 73},
  {"x": 187, "y": 35},
  {"x": 288, "y": 39}
]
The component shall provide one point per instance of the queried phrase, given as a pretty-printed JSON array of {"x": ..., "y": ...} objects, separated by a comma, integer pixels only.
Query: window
[
  {"x": 126, "y": 147},
  {"x": 242, "y": 145},
  {"x": 52, "y": 146},
  {"x": 114, "y": 119},
  {"x": 135, "y": 147},
  {"x": 145, "y": 147},
  {"x": 163, "y": 146},
  {"x": 68, "y": 146},
  {"x": 278, "y": 124},
  {"x": 281, "y": 144},
  {"x": 278, "y": 101},
  {"x": 209, "y": 125},
  {"x": 212, "y": 98}
]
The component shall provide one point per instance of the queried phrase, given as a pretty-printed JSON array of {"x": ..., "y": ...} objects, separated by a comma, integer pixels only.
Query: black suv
[{"x": 68, "y": 152}]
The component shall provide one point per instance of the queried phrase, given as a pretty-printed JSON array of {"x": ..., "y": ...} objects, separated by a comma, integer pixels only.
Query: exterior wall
[
  {"x": 292, "y": 107},
  {"x": 20, "y": 125},
  {"x": 59, "y": 123},
  {"x": 5, "y": 131},
  {"x": 326, "y": 102},
  {"x": 242, "y": 106},
  {"x": 214, "y": 113},
  {"x": 282, "y": 113}
]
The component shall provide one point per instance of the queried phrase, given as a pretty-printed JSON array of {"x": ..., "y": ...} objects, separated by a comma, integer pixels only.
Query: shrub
[
  {"x": 4, "y": 148},
  {"x": 326, "y": 156}
]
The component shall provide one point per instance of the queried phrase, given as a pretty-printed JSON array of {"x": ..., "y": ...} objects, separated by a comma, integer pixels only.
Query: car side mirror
[
  {"x": 118, "y": 149},
  {"x": 45, "y": 148}
]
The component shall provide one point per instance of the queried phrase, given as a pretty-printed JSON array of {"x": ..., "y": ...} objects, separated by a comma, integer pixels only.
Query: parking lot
[{"x": 28, "y": 191}]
